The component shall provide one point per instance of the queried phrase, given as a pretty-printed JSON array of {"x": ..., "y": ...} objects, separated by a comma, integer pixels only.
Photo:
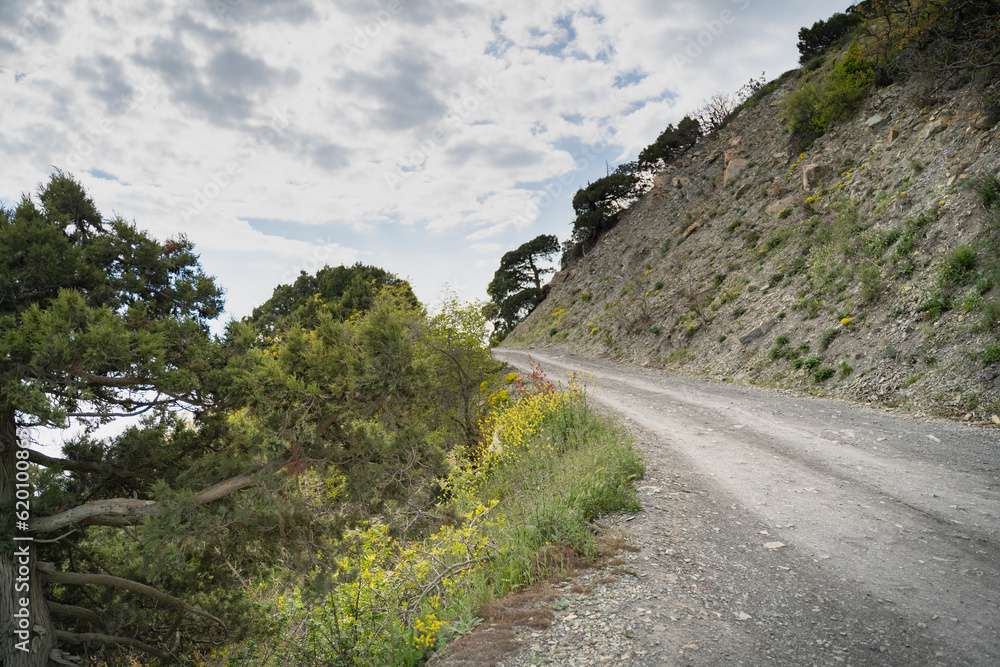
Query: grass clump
[
  {"x": 958, "y": 265},
  {"x": 827, "y": 338}
]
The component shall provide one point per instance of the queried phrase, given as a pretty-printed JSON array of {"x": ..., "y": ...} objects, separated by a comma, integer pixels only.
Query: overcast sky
[{"x": 426, "y": 137}]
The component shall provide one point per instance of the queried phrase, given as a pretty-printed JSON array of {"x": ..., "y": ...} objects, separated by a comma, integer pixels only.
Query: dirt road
[{"x": 822, "y": 530}]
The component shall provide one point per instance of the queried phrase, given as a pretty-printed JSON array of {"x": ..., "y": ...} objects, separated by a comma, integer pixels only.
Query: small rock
[
  {"x": 734, "y": 168},
  {"x": 876, "y": 122},
  {"x": 780, "y": 205},
  {"x": 773, "y": 545},
  {"x": 995, "y": 419},
  {"x": 813, "y": 174},
  {"x": 932, "y": 128}
]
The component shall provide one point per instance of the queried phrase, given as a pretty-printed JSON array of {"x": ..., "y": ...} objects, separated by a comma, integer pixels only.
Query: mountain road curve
[{"x": 891, "y": 522}]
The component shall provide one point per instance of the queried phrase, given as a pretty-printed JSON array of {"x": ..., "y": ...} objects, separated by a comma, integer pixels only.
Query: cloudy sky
[{"x": 427, "y": 137}]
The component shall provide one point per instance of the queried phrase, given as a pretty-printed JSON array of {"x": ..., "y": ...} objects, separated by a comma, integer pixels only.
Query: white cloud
[{"x": 405, "y": 133}]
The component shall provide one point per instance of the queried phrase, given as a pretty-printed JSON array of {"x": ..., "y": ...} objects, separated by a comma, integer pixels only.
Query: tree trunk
[{"x": 27, "y": 635}]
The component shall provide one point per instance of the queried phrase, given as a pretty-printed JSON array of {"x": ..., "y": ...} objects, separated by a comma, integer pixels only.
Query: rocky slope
[{"x": 865, "y": 267}]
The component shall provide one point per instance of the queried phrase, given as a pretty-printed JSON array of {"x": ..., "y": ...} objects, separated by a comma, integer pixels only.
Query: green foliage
[
  {"x": 812, "y": 363},
  {"x": 958, "y": 265},
  {"x": 342, "y": 291},
  {"x": 658, "y": 285},
  {"x": 845, "y": 369},
  {"x": 823, "y": 374},
  {"x": 990, "y": 354},
  {"x": 665, "y": 248},
  {"x": 834, "y": 96},
  {"x": 871, "y": 283},
  {"x": 989, "y": 192},
  {"x": 671, "y": 142},
  {"x": 598, "y": 206},
  {"x": 516, "y": 287},
  {"x": 824, "y": 34}
]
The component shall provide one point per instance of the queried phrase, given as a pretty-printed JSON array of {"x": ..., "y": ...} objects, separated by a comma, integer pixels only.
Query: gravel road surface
[{"x": 786, "y": 529}]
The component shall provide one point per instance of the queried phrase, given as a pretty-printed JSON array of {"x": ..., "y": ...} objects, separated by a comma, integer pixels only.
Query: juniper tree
[{"x": 98, "y": 321}]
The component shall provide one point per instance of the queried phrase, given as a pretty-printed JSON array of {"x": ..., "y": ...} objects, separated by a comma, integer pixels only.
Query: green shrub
[
  {"x": 665, "y": 248},
  {"x": 658, "y": 285},
  {"x": 845, "y": 370},
  {"x": 781, "y": 340},
  {"x": 784, "y": 213},
  {"x": 816, "y": 105},
  {"x": 990, "y": 355},
  {"x": 989, "y": 193},
  {"x": 553, "y": 331},
  {"x": 824, "y": 374},
  {"x": 718, "y": 280},
  {"x": 586, "y": 296},
  {"x": 722, "y": 338},
  {"x": 812, "y": 363},
  {"x": 654, "y": 330},
  {"x": 871, "y": 283}
]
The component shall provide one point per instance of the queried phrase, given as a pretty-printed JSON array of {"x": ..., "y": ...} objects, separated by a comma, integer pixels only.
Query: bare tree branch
[
  {"x": 97, "y": 511},
  {"x": 49, "y": 571},
  {"x": 85, "y": 466}
]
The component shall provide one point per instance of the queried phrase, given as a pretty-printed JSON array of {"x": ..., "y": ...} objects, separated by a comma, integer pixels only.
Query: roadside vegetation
[{"x": 342, "y": 478}]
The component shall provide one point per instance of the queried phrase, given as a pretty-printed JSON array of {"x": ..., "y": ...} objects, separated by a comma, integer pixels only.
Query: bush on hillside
[{"x": 833, "y": 96}]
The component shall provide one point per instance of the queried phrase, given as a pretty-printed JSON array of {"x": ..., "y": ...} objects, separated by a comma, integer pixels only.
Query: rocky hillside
[{"x": 866, "y": 267}]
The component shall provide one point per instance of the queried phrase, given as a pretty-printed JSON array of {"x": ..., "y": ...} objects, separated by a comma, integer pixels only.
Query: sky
[{"x": 427, "y": 137}]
